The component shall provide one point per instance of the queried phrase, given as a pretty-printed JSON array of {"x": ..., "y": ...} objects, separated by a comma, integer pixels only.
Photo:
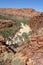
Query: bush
[{"x": 6, "y": 32}]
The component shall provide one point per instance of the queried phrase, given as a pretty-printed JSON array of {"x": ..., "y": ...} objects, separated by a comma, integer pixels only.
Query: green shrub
[{"x": 6, "y": 32}]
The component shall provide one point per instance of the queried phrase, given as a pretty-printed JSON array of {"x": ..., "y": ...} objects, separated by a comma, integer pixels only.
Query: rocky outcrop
[
  {"x": 32, "y": 53},
  {"x": 6, "y": 23},
  {"x": 36, "y": 23},
  {"x": 2, "y": 39},
  {"x": 19, "y": 12},
  {"x": 2, "y": 47}
]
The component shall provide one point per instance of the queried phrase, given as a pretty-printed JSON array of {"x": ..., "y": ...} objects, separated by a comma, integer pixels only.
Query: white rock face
[
  {"x": 8, "y": 42},
  {"x": 24, "y": 29}
]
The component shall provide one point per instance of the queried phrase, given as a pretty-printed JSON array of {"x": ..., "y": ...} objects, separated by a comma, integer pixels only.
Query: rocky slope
[
  {"x": 20, "y": 12},
  {"x": 36, "y": 22},
  {"x": 31, "y": 51}
]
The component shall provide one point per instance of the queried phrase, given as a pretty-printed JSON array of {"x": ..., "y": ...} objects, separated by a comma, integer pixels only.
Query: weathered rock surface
[
  {"x": 36, "y": 23},
  {"x": 19, "y": 12},
  {"x": 6, "y": 23},
  {"x": 30, "y": 53},
  {"x": 2, "y": 47},
  {"x": 33, "y": 52}
]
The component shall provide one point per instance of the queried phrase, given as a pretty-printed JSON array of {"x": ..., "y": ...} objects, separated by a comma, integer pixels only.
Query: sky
[{"x": 35, "y": 4}]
